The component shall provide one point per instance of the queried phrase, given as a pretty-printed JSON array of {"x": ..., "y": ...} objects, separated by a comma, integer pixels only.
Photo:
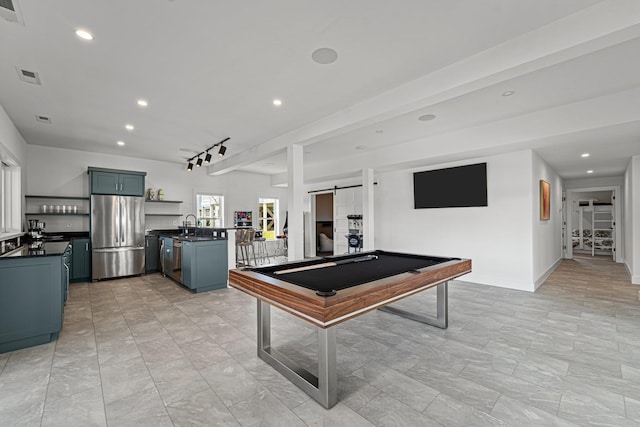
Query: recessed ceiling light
[
  {"x": 142, "y": 102},
  {"x": 129, "y": 127},
  {"x": 324, "y": 56},
  {"x": 584, "y": 155},
  {"x": 379, "y": 131},
  {"x": 508, "y": 93},
  {"x": 84, "y": 34},
  {"x": 360, "y": 147},
  {"x": 277, "y": 102},
  {"x": 427, "y": 117},
  {"x": 120, "y": 143},
  {"x": 589, "y": 171}
]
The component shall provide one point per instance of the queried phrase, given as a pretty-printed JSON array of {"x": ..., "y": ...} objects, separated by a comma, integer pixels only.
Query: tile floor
[{"x": 144, "y": 351}]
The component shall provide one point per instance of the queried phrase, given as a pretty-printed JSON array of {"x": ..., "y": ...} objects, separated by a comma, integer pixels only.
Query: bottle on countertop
[{"x": 160, "y": 194}]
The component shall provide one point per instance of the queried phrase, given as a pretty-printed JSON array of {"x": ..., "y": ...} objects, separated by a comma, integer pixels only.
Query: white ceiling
[{"x": 210, "y": 70}]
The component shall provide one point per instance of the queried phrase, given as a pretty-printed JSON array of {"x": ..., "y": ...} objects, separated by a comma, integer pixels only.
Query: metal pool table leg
[
  {"x": 441, "y": 321},
  {"x": 324, "y": 387}
]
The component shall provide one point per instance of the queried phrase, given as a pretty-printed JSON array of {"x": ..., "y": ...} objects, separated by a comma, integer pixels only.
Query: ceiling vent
[
  {"x": 28, "y": 76},
  {"x": 43, "y": 119},
  {"x": 10, "y": 11}
]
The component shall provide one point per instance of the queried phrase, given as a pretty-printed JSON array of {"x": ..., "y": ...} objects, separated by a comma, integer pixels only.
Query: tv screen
[{"x": 462, "y": 186}]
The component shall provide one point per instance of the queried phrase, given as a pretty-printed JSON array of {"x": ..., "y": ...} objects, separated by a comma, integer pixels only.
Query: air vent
[
  {"x": 10, "y": 11},
  {"x": 43, "y": 119},
  {"x": 28, "y": 76}
]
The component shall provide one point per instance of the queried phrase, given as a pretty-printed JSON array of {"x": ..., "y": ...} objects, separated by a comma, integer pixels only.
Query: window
[
  {"x": 9, "y": 198},
  {"x": 267, "y": 213},
  {"x": 210, "y": 210}
]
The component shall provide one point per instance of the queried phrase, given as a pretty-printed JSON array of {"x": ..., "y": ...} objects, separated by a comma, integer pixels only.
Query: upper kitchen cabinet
[{"x": 118, "y": 182}]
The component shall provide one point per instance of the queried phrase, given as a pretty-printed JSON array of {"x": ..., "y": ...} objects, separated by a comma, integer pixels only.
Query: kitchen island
[
  {"x": 34, "y": 281},
  {"x": 197, "y": 261}
]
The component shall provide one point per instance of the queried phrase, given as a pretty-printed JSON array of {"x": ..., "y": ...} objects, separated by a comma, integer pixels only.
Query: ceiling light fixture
[
  {"x": 84, "y": 34},
  {"x": 143, "y": 102},
  {"x": 508, "y": 93},
  {"x": 589, "y": 171},
  {"x": 120, "y": 143},
  {"x": 207, "y": 155},
  {"x": 584, "y": 155},
  {"x": 129, "y": 127},
  {"x": 277, "y": 102}
]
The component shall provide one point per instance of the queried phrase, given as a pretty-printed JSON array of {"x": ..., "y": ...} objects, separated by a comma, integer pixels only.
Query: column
[
  {"x": 367, "y": 210},
  {"x": 295, "y": 201}
]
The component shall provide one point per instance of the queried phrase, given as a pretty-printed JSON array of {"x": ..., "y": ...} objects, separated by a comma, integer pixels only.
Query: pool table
[{"x": 331, "y": 290}]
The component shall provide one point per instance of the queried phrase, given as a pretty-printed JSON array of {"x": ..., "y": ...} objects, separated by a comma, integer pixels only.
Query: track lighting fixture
[{"x": 207, "y": 157}]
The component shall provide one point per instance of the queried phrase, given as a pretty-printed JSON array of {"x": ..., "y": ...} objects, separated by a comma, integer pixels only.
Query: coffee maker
[{"x": 36, "y": 229}]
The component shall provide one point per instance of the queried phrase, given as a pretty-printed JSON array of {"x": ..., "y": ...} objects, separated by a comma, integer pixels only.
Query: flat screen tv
[{"x": 458, "y": 187}]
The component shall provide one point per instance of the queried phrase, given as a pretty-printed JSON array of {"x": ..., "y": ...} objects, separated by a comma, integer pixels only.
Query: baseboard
[
  {"x": 546, "y": 274},
  {"x": 635, "y": 279}
]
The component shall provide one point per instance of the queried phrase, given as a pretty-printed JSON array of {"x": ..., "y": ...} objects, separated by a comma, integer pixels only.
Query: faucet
[{"x": 195, "y": 220}]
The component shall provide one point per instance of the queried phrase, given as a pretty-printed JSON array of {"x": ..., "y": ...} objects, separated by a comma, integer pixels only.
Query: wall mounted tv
[{"x": 462, "y": 186}]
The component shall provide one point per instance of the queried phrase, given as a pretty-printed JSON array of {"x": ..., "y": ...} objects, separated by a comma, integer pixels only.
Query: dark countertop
[
  {"x": 194, "y": 235},
  {"x": 38, "y": 249}
]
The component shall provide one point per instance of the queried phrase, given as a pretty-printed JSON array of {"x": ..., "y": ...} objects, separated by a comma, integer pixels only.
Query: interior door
[{"x": 105, "y": 214}]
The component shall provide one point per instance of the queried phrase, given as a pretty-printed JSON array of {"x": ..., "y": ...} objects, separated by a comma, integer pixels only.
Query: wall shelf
[
  {"x": 30, "y": 196},
  {"x": 163, "y": 214},
  {"x": 162, "y": 201},
  {"x": 58, "y": 214}
]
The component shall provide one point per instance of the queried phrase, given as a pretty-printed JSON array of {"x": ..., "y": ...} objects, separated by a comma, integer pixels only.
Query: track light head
[
  {"x": 207, "y": 158},
  {"x": 222, "y": 150},
  {"x": 199, "y": 162},
  {"x": 190, "y": 166}
]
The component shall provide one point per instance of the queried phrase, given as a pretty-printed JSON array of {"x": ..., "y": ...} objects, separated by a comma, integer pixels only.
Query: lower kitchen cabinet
[
  {"x": 81, "y": 260},
  {"x": 32, "y": 296},
  {"x": 152, "y": 254},
  {"x": 204, "y": 265}
]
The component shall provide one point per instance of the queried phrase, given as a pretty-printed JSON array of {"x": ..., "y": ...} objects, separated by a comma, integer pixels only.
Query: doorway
[
  {"x": 592, "y": 217},
  {"x": 324, "y": 224}
]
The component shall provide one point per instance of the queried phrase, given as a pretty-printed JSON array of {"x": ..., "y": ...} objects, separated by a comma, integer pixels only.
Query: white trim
[{"x": 541, "y": 279}]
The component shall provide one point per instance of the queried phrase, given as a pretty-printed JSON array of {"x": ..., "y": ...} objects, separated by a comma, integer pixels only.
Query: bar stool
[
  {"x": 260, "y": 243},
  {"x": 244, "y": 241}
]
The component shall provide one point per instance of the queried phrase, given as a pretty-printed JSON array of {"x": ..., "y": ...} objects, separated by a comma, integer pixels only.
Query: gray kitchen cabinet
[
  {"x": 80, "y": 260},
  {"x": 204, "y": 265},
  {"x": 195, "y": 262},
  {"x": 32, "y": 296},
  {"x": 152, "y": 254},
  {"x": 116, "y": 182}
]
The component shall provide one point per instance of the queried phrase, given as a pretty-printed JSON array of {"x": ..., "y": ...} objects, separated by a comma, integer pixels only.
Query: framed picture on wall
[{"x": 545, "y": 200}]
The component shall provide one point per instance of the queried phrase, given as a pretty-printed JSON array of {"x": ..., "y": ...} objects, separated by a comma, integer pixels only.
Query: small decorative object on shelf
[
  {"x": 151, "y": 195},
  {"x": 160, "y": 194}
]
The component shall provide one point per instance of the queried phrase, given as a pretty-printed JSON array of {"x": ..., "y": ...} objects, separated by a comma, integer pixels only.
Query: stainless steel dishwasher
[{"x": 176, "y": 266}]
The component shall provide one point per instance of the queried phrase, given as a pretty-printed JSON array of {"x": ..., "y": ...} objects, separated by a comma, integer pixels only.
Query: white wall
[
  {"x": 607, "y": 181},
  {"x": 497, "y": 238},
  {"x": 632, "y": 222},
  {"x": 63, "y": 172},
  {"x": 547, "y": 235}
]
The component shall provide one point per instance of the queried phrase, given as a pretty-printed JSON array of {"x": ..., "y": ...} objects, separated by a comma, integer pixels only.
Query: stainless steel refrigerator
[{"x": 117, "y": 236}]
